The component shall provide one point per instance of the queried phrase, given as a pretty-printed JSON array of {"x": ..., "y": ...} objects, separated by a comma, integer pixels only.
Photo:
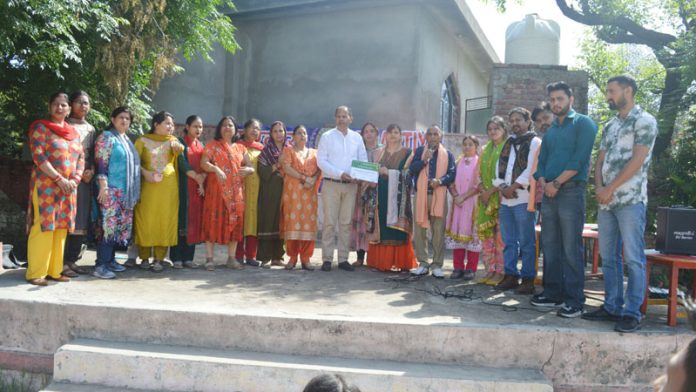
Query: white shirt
[
  {"x": 523, "y": 179},
  {"x": 336, "y": 152}
]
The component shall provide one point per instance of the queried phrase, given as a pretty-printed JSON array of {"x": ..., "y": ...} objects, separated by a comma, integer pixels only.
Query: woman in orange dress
[
  {"x": 223, "y": 204},
  {"x": 390, "y": 233},
  {"x": 298, "y": 225}
]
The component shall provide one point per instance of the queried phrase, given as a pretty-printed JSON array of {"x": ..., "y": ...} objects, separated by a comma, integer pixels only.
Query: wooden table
[{"x": 674, "y": 263}]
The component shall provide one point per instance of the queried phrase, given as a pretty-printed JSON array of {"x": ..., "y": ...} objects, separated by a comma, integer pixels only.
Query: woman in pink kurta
[{"x": 461, "y": 234}]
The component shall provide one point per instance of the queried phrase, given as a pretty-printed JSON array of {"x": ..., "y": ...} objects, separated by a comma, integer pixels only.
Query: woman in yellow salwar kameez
[{"x": 156, "y": 215}]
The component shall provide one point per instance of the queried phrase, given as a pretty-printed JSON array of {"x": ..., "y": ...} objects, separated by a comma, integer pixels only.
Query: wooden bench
[{"x": 674, "y": 264}]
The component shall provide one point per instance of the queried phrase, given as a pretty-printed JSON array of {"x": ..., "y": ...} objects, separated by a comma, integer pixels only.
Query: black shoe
[
  {"x": 252, "y": 262},
  {"x": 543, "y": 301},
  {"x": 627, "y": 324},
  {"x": 457, "y": 274},
  {"x": 601, "y": 314},
  {"x": 569, "y": 311},
  {"x": 326, "y": 266},
  {"x": 344, "y": 265}
]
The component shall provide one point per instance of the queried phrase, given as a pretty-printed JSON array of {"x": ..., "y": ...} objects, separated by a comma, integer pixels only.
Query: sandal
[
  {"x": 358, "y": 263},
  {"x": 38, "y": 282},
  {"x": 307, "y": 266},
  {"x": 76, "y": 268},
  {"x": 67, "y": 271},
  {"x": 61, "y": 278},
  {"x": 290, "y": 265},
  {"x": 209, "y": 265}
]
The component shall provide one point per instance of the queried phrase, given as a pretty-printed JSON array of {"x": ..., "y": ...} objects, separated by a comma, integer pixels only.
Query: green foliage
[{"x": 118, "y": 51}]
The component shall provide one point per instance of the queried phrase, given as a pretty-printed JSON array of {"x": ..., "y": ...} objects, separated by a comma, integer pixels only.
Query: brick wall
[{"x": 513, "y": 85}]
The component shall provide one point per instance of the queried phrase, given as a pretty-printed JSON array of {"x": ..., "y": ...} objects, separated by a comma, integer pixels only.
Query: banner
[{"x": 409, "y": 139}]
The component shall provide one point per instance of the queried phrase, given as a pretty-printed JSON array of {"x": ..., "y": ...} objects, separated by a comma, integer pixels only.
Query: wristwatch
[{"x": 556, "y": 184}]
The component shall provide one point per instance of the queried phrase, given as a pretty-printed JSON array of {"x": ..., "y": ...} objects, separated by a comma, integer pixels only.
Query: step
[
  {"x": 180, "y": 368},
  {"x": 67, "y": 387}
]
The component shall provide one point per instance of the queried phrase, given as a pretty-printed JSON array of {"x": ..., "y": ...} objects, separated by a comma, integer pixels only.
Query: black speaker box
[{"x": 676, "y": 230}]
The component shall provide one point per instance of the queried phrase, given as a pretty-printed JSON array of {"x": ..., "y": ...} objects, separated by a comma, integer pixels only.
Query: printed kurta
[
  {"x": 299, "y": 204},
  {"x": 156, "y": 215},
  {"x": 223, "y": 203},
  {"x": 115, "y": 225},
  {"x": 358, "y": 236},
  {"x": 56, "y": 208}
]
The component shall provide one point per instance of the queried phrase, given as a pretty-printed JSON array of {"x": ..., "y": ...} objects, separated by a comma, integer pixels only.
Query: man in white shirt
[
  {"x": 516, "y": 222},
  {"x": 338, "y": 147}
]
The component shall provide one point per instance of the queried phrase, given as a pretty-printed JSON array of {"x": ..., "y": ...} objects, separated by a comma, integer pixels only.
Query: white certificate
[{"x": 364, "y": 171}]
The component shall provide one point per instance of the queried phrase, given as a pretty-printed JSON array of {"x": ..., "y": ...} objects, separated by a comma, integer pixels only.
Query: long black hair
[
  {"x": 218, "y": 128},
  {"x": 159, "y": 118},
  {"x": 117, "y": 111}
]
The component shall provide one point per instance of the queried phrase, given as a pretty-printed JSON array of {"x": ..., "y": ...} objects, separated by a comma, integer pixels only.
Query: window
[{"x": 449, "y": 106}]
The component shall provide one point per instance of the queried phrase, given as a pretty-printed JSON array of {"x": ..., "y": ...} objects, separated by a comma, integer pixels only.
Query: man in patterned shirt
[{"x": 621, "y": 178}]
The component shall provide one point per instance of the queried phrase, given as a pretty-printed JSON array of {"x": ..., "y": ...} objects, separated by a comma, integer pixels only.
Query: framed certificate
[{"x": 364, "y": 171}]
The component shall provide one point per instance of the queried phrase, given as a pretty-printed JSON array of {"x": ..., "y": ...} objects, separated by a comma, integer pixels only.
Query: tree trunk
[{"x": 669, "y": 109}]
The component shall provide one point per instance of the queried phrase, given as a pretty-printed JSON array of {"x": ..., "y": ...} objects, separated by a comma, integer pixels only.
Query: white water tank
[{"x": 533, "y": 41}]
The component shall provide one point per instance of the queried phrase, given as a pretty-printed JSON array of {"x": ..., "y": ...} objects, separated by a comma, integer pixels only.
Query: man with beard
[
  {"x": 543, "y": 118},
  {"x": 564, "y": 161},
  {"x": 433, "y": 170},
  {"x": 621, "y": 179},
  {"x": 516, "y": 223}
]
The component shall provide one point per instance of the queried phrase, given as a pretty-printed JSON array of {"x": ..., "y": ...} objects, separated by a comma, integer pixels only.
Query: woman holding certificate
[{"x": 389, "y": 231}]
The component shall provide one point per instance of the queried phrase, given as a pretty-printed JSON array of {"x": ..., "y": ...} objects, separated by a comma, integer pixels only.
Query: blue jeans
[
  {"x": 562, "y": 220},
  {"x": 106, "y": 253},
  {"x": 517, "y": 231},
  {"x": 625, "y": 224}
]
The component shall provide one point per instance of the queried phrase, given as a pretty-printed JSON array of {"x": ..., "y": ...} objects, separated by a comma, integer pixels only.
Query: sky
[{"x": 494, "y": 24}]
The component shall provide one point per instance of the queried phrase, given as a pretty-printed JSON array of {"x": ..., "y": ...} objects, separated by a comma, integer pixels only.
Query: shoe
[
  {"x": 601, "y": 314},
  {"x": 543, "y": 301},
  {"x": 38, "y": 282},
  {"x": 61, "y": 278},
  {"x": 277, "y": 263},
  {"x": 232, "y": 263},
  {"x": 469, "y": 275},
  {"x": 76, "y": 268},
  {"x": 190, "y": 264},
  {"x": 326, "y": 266},
  {"x": 130, "y": 263},
  {"x": 102, "y": 272},
  {"x": 266, "y": 265},
  {"x": 157, "y": 266},
  {"x": 252, "y": 262},
  {"x": 569, "y": 311},
  {"x": 486, "y": 278},
  {"x": 437, "y": 273},
  {"x": 307, "y": 266},
  {"x": 627, "y": 324},
  {"x": 290, "y": 265},
  {"x": 457, "y": 274},
  {"x": 497, "y": 278},
  {"x": 178, "y": 265},
  {"x": 358, "y": 263},
  {"x": 116, "y": 267},
  {"x": 209, "y": 265},
  {"x": 420, "y": 271},
  {"x": 144, "y": 264},
  {"x": 526, "y": 288},
  {"x": 509, "y": 282},
  {"x": 69, "y": 273},
  {"x": 344, "y": 265}
]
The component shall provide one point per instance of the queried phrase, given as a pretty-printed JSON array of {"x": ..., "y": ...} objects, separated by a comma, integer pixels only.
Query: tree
[
  {"x": 665, "y": 27},
  {"x": 116, "y": 50}
]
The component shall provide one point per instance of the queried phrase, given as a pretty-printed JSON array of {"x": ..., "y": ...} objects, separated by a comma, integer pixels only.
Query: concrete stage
[{"x": 272, "y": 330}]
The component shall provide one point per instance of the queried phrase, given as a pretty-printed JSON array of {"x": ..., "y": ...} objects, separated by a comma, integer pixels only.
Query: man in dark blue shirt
[
  {"x": 562, "y": 169},
  {"x": 433, "y": 170}
]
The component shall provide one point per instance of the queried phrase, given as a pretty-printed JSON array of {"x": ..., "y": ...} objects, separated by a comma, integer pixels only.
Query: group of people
[{"x": 165, "y": 193}]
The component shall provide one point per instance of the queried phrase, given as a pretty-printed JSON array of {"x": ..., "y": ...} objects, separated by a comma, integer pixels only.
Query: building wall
[
  {"x": 524, "y": 85},
  {"x": 299, "y": 67}
]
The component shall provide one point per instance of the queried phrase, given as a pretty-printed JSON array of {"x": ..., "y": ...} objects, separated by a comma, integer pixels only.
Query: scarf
[
  {"x": 255, "y": 145},
  {"x": 270, "y": 153},
  {"x": 521, "y": 145},
  {"x": 437, "y": 208},
  {"x": 195, "y": 152},
  {"x": 66, "y": 131},
  {"x": 132, "y": 191},
  {"x": 229, "y": 158},
  {"x": 487, "y": 215}
]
